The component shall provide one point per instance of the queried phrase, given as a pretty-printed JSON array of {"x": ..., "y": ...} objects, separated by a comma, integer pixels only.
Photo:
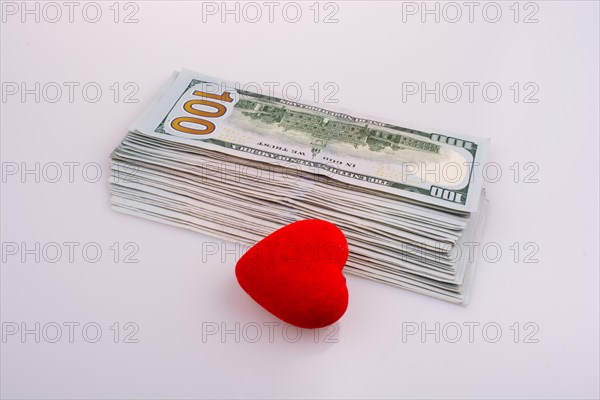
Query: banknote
[
  {"x": 216, "y": 114},
  {"x": 237, "y": 165}
]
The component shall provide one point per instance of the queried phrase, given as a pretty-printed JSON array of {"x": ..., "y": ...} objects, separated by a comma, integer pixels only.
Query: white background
[{"x": 172, "y": 293}]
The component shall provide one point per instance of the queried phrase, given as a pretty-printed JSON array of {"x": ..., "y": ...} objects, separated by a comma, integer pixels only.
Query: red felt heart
[{"x": 295, "y": 273}]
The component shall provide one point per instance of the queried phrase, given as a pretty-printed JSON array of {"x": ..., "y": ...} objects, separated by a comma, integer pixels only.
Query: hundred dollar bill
[{"x": 216, "y": 114}]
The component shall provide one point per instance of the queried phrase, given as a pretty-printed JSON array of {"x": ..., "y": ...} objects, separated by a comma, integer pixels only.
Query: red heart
[{"x": 295, "y": 273}]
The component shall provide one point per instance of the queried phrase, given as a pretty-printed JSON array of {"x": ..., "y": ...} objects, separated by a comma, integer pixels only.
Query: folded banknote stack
[{"x": 238, "y": 165}]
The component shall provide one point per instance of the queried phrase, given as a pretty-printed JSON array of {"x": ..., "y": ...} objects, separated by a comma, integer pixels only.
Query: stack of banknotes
[{"x": 238, "y": 165}]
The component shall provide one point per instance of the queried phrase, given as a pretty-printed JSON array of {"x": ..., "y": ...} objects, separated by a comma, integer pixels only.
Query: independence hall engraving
[{"x": 324, "y": 130}]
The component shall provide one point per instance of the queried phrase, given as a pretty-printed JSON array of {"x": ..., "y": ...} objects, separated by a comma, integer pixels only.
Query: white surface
[{"x": 171, "y": 292}]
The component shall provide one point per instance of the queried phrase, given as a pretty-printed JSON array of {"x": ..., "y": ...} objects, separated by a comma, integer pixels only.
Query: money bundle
[{"x": 237, "y": 165}]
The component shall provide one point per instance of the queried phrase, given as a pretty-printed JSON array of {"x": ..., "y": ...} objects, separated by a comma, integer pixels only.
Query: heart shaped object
[{"x": 295, "y": 273}]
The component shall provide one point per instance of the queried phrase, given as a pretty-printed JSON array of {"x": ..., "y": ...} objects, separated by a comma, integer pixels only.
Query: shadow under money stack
[{"x": 238, "y": 165}]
